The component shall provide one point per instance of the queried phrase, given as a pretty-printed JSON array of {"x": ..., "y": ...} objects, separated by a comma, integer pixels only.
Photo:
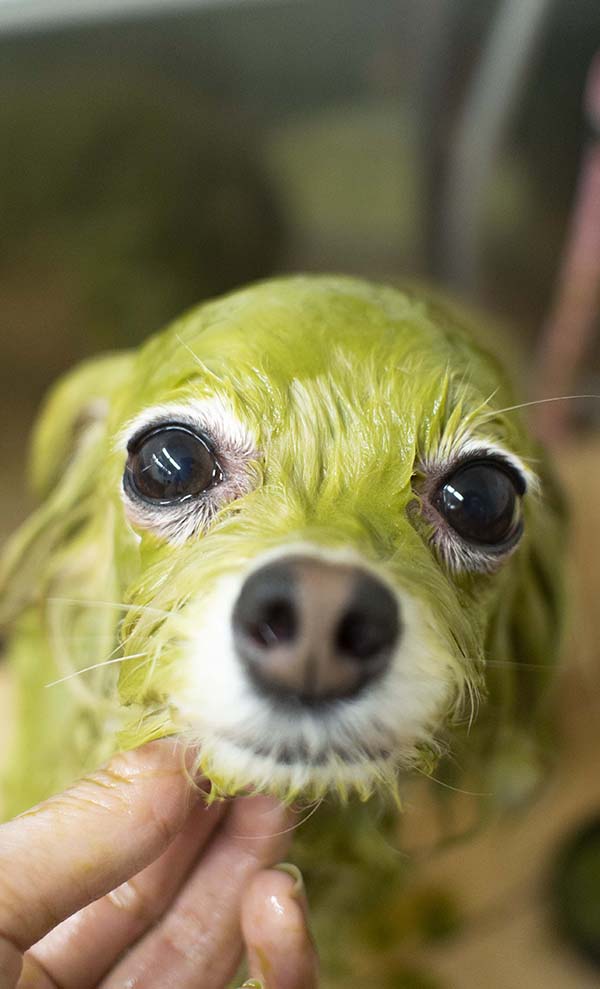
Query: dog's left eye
[
  {"x": 170, "y": 464},
  {"x": 481, "y": 502}
]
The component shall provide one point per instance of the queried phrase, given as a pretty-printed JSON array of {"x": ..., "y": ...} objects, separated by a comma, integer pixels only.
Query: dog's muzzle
[{"x": 311, "y": 631}]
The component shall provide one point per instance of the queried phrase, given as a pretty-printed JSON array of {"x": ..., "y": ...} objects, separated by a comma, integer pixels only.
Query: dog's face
[{"x": 323, "y": 512}]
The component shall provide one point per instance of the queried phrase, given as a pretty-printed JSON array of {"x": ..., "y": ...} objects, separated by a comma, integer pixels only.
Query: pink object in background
[{"x": 576, "y": 309}]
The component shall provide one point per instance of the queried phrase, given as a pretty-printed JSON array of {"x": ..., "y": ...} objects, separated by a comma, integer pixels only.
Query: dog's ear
[
  {"x": 65, "y": 465},
  {"x": 54, "y": 571},
  {"x": 502, "y": 755},
  {"x": 73, "y": 416},
  {"x": 515, "y": 731}
]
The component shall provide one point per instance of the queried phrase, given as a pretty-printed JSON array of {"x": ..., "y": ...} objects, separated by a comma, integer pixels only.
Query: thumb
[{"x": 75, "y": 847}]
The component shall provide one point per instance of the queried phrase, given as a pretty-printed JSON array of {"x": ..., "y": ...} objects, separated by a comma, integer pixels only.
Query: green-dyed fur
[{"x": 350, "y": 389}]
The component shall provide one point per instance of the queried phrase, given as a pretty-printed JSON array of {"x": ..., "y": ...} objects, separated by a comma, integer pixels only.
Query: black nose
[{"x": 314, "y": 631}]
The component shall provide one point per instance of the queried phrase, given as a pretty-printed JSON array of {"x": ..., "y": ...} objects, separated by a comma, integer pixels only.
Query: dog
[{"x": 304, "y": 528}]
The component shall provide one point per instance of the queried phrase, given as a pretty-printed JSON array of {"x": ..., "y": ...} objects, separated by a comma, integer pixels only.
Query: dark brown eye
[
  {"x": 481, "y": 501},
  {"x": 170, "y": 464}
]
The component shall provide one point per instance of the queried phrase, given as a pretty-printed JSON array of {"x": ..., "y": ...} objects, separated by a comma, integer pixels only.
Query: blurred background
[{"x": 157, "y": 153}]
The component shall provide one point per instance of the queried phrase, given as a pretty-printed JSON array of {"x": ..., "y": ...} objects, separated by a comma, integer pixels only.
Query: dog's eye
[
  {"x": 170, "y": 464},
  {"x": 481, "y": 501}
]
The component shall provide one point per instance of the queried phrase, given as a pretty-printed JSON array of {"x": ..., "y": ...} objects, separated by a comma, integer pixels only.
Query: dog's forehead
[
  {"x": 338, "y": 363},
  {"x": 307, "y": 327}
]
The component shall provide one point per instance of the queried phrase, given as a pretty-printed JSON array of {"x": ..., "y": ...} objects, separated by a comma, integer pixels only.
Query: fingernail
[
  {"x": 252, "y": 984},
  {"x": 293, "y": 871}
]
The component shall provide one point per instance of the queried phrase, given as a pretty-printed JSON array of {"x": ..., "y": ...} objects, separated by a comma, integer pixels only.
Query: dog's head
[{"x": 328, "y": 525}]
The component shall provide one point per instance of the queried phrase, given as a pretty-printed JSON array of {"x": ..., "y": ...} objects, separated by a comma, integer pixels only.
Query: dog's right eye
[{"x": 170, "y": 464}]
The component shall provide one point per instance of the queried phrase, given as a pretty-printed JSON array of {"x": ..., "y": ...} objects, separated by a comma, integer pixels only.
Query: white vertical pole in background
[{"x": 489, "y": 106}]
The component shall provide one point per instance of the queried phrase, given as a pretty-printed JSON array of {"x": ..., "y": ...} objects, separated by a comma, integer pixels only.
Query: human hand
[{"x": 128, "y": 880}]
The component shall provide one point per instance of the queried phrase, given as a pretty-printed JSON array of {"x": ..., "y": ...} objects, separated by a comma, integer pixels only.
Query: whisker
[
  {"x": 448, "y": 786},
  {"x": 517, "y": 665},
  {"x": 91, "y": 637},
  {"x": 114, "y": 650},
  {"x": 122, "y": 605},
  {"x": 538, "y": 401},
  {"x": 277, "y": 834},
  {"x": 95, "y": 666}
]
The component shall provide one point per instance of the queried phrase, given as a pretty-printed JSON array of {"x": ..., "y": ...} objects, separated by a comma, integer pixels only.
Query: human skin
[{"x": 129, "y": 879}]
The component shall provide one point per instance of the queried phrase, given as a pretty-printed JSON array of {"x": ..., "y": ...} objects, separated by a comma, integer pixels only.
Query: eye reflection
[
  {"x": 170, "y": 464},
  {"x": 481, "y": 502}
]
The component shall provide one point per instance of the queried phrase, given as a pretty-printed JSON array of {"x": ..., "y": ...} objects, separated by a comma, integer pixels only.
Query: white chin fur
[{"x": 256, "y": 742}]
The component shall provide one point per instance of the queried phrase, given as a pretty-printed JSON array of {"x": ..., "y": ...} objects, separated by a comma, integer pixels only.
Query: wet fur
[{"x": 339, "y": 402}]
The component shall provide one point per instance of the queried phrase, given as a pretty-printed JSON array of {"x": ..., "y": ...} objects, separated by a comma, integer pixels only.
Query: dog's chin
[
  {"x": 302, "y": 752},
  {"x": 293, "y": 772}
]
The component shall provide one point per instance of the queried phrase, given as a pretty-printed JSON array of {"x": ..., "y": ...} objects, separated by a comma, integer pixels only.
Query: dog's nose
[{"x": 313, "y": 630}]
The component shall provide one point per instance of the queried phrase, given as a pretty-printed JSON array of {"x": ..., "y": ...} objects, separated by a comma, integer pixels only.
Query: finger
[
  {"x": 197, "y": 945},
  {"x": 77, "y": 846},
  {"x": 281, "y": 953},
  {"x": 79, "y": 952}
]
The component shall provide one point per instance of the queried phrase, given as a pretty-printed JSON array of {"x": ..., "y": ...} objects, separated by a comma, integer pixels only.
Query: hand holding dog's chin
[{"x": 128, "y": 879}]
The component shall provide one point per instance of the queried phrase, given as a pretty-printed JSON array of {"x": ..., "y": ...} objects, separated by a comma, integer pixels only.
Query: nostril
[
  {"x": 275, "y": 623},
  {"x": 370, "y": 626},
  {"x": 265, "y": 615},
  {"x": 360, "y": 637}
]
